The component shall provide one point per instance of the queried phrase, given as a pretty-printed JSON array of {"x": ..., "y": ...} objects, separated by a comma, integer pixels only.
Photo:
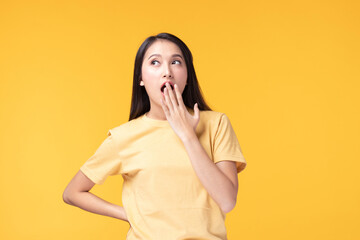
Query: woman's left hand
[{"x": 181, "y": 121}]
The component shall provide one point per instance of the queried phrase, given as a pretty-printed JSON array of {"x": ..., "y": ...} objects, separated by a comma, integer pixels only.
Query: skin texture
[{"x": 159, "y": 69}]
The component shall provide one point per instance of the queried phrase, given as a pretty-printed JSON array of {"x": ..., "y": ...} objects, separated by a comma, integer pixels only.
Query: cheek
[
  {"x": 148, "y": 73},
  {"x": 182, "y": 74}
]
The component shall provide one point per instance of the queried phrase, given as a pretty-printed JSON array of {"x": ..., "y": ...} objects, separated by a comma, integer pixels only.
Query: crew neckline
[{"x": 157, "y": 122}]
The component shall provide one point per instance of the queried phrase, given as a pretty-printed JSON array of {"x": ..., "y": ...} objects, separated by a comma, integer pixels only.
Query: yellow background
[{"x": 285, "y": 72}]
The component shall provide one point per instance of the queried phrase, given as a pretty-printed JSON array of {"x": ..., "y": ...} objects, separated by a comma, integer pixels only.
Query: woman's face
[{"x": 163, "y": 61}]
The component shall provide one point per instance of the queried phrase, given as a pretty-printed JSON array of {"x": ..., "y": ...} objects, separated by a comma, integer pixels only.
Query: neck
[
  {"x": 160, "y": 115},
  {"x": 157, "y": 115}
]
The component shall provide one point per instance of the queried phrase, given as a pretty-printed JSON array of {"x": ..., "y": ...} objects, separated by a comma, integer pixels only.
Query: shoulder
[
  {"x": 123, "y": 130},
  {"x": 216, "y": 121},
  {"x": 211, "y": 117},
  {"x": 210, "y": 121}
]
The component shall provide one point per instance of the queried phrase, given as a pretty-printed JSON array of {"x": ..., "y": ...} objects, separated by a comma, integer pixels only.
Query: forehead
[{"x": 163, "y": 47}]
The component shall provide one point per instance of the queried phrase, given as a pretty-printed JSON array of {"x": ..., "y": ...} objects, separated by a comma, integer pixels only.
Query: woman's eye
[{"x": 154, "y": 61}]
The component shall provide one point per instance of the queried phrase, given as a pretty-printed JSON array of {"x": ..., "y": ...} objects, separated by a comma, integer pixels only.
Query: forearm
[
  {"x": 219, "y": 187},
  {"x": 92, "y": 203}
]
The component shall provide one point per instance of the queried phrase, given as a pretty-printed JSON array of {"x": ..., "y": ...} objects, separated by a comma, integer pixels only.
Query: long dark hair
[{"x": 140, "y": 103}]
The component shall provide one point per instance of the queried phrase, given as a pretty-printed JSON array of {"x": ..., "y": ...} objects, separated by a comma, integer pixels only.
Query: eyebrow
[{"x": 174, "y": 55}]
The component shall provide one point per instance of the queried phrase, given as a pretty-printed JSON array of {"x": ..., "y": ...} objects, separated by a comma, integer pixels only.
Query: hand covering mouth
[{"x": 164, "y": 85}]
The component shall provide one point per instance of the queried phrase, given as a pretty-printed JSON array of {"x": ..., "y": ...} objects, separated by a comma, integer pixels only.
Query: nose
[{"x": 167, "y": 71}]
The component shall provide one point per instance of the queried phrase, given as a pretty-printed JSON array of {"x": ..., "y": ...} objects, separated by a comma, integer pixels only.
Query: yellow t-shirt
[{"x": 162, "y": 195}]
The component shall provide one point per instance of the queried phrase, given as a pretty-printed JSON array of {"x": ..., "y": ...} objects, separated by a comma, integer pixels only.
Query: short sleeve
[
  {"x": 104, "y": 162},
  {"x": 226, "y": 145}
]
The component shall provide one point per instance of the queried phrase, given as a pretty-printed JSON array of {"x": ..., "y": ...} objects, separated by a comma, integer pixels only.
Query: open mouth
[{"x": 164, "y": 86}]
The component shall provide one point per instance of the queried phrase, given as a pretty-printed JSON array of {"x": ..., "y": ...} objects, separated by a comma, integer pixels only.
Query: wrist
[
  {"x": 190, "y": 138},
  {"x": 119, "y": 212}
]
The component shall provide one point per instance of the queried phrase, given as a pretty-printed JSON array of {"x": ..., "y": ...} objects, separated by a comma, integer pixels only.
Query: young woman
[{"x": 178, "y": 158}]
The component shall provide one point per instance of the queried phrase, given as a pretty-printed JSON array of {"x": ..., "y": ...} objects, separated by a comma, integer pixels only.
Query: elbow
[
  {"x": 66, "y": 197},
  {"x": 229, "y": 206}
]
